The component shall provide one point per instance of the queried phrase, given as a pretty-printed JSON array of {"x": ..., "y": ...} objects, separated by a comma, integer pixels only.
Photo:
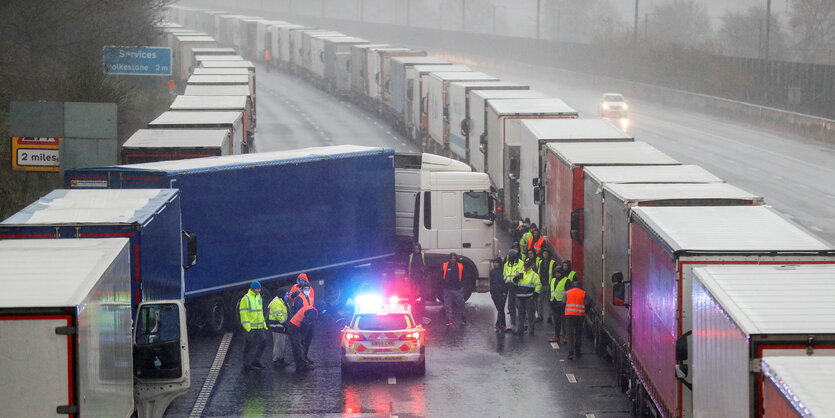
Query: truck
[
  {"x": 437, "y": 103},
  {"x": 191, "y": 119},
  {"x": 286, "y": 45},
  {"x": 502, "y": 139},
  {"x": 458, "y": 116},
  {"x": 477, "y": 122},
  {"x": 149, "y": 145},
  {"x": 274, "y": 41},
  {"x": 220, "y": 102},
  {"x": 68, "y": 345},
  {"x": 149, "y": 218},
  {"x": 384, "y": 68},
  {"x": 359, "y": 70},
  {"x": 336, "y": 54},
  {"x": 312, "y": 49},
  {"x": 535, "y": 133},
  {"x": 564, "y": 187},
  {"x": 797, "y": 386},
  {"x": 417, "y": 88},
  {"x": 396, "y": 84},
  {"x": 666, "y": 245},
  {"x": 335, "y": 225},
  {"x": 743, "y": 315},
  {"x": 183, "y": 57}
]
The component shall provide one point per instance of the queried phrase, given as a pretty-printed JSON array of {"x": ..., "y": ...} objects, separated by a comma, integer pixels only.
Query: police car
[{"x": 383, "y": 332}]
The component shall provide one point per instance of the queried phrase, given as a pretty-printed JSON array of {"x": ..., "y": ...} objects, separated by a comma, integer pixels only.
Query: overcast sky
[{"x": 715, "y": 8}]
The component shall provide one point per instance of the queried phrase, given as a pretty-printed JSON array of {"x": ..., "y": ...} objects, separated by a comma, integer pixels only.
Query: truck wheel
[
  {"x": 216, "y": 313},
  {"x": 197, "y": 318},
  {"x": 470, "y": 279}
]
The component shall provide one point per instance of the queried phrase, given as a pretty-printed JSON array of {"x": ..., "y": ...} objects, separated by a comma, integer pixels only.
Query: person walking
[
  {"x": 513, "y": 265},
  {"x": 251, "y": 309},
  {"x": 575, "y": 317},
  {"x": 498, "y": 292},
  {"x": 416, "y": 273},
  {"x": 267, "y": 59},
  {"x": 558, "y": 285},
  {"x": 303, "y": 318},
  {"x": 452, "y": 280},
  {"x": 276, "y": 322},
  {"x": 544, "y": 267},
  {"x": 527, "y": 288}
]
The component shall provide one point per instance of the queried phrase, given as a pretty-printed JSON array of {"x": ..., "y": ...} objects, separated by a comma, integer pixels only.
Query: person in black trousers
[{"x": 498, "y": 292}]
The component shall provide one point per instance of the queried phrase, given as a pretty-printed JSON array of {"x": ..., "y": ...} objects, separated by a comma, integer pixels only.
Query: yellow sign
[{"x": 36, "y": 153}]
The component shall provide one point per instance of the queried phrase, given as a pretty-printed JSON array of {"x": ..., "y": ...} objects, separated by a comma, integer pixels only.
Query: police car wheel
[{"x": 420, "y": 369}]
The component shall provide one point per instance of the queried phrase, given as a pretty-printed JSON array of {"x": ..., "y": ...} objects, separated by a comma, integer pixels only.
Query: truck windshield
[
  {"x": 477, "y": 205},
  {"x": 382, "y": 322}
]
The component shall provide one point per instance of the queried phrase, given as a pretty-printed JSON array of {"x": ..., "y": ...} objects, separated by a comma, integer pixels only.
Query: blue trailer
[
  {"x": 150, "y": 219},
  {"x": 269, "y": 216}
]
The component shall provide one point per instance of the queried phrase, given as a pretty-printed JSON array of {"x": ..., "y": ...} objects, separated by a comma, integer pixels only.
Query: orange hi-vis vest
[
  {"x": 297, "y": 288},
  {"x": 575, "y": 302},
  {"x": 536, "y": 246},
  {"x": 299, "y": 316},
  {"x": 460, "y": 270}
]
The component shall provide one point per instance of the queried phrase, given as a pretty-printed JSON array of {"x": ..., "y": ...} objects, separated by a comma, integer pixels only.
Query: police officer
[
  {"x": 498, "y": 292},
  {"x": 512, "y": 266},
  {"x": 297, "y": 328},
  {"x": 251, "y": 309},
  {"x": 575, "y": 318},
  {"x": 278, "y": 327},
  {"x": 527, "y": 288}
]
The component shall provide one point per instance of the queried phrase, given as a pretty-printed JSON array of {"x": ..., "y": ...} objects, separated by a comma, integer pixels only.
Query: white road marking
[
  {"x": 571, "y": 378},
  {"x": 590, "y": 416},
  {"x": 816, "y": 229},
  {"x": 555, "y": 346},
  {"x": 392, "y": 380},
  {"x": 211, "y": 378}
]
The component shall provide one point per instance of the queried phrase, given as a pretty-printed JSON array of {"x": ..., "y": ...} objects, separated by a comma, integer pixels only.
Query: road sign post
[
  {"x": 137, "y": 61},
  {"x": 36, "y": 153}
]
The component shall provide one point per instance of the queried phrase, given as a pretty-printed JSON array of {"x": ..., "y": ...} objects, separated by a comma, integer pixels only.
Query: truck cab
[{"x": 447, "y": 208}]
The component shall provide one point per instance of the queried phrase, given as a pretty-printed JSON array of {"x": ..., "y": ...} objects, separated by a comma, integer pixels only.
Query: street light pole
[
  {"x": 635, "y": 32},
  {"x": 463, "y": 14},
  {"x": 767, "y": 27},
  {"x": 537, "y": 17}
]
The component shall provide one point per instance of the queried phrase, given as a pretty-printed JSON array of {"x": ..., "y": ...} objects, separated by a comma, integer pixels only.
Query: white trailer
[
  {"x": 797, "y": 386},
  {"x": 273, "y": 42},
  {"x": 359, "y": 72},
  {"x": 313, "y": 46},
  {"x": 297, "y": 50},
  {"x": 437, "y": 98},
  {"x": 285, "y": 43},
  {"x": 384, "y": 68},
  {"x": 219, "y": 102},
  {"x": 417, "y": 88},
  {"x": 477, "y": 124},
  {"x": 235, "y": 90},
  {"x": 336, "y": 56},
  {"x": 67, "y": 344},
  {"x": 458, "y": 117},
  {"x": 207, "y": 120},
  {"x": 151, "y": 145},
  {"x": 182, "y": 53},
  {"x": 742, "y": 315},
  {"x": 373, "y": 67},
  {"x": 504, "y": 137},
  {"x": 322, "y": 49},
  {"x": 535, "y": 133},
  {"x": 396, "y": 86}
]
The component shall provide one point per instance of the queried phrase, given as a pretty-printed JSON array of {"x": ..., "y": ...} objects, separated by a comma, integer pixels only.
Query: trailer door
[{"x": 37, "y": 351}]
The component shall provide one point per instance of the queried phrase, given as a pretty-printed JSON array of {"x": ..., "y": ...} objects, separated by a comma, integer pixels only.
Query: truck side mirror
[
  {"x": 465, "y": 126},
  {"x": 191, "y": 249},
  {"x": 537, "y": 195},
  {"x": 446, "y": 112},
  {"x": 577, "y": 225},
  {"x": 682, "y": 355},
  {"x": 482, "y": 143},
  {"x": 620, "y": 290},
  {"x": 535, "y": 182}
]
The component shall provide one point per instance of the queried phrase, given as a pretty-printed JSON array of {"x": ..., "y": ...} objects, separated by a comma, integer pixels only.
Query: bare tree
[
  {"x": 682, "y": 22},
  {"x": 742, "y": 34},
  {"x": 813, "y": 26}
]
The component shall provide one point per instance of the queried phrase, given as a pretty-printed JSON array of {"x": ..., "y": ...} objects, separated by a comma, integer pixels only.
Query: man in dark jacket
[
  {"x": 300, "y": 329},
  {"x": 498, "y": 292},
  {"x": 452, "y": 282}
]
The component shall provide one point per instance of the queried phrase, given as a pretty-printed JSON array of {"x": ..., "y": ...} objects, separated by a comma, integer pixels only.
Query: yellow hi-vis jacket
[
  {"x": 278, "y": 310},
  {"x": 528, "y": 284},
  {"x": 512, "y": 269},
  {"x": 252, "y": 311},
  {"x": 558, "y": 288}
]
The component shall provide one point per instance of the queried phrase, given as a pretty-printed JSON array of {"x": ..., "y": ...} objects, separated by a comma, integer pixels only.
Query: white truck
[
  {"x": 68, "y": 347},
  {"x": 796, "y": 386},
  {"x": 227, "y": 120},
  {"x": 415, "y": 116},
  {"x": 437, "y": 98}
]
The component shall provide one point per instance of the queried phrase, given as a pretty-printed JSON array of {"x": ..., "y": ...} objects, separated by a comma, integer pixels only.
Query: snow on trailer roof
[
  {"x": 805, "y": 381},
  {"x": 657, "y": 192},
  {"x": 232, "y": 162},
  {"x": 420, "y": 60},
  {"x": 74, "y": 266},
  {"x": 209, "y": 103},
  {"x": 122, "y": 206},
  {"x": 511, "y": 94},
  {"x": 727, "y": 229},
  {"x": 207, "y": 71},
  {"x": 227, "y": 64},
  {"x": 219, "y": 79},
  {"x": 218, "y": 58},
  {"x": 177, "y": 138},
  {"x": 217, "y": 90},
  {"x": 763, "y": 299},
  {"x": 195, "y": 38},
  {"x": 609, "y": 153},
  {"x": 651, "y": 174},
  {"x": 474, "y": 85},
  {"x": 547, "y": 106},
  {"x": 344, "y": 40},
  {"x": 579, "y": 129},
  {"x": 220, "y": 118},
  {"x": 214, "y": 51},
  {"x": 429, "y": 68},
  {"x": 447, "y": 75}
]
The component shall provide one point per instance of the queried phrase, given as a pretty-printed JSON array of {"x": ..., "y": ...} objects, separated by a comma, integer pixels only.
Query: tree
[
  {"x": 682, "y": 22},
  {"x": 742, "y": 34},
  {"x": 813, "y": 27}
]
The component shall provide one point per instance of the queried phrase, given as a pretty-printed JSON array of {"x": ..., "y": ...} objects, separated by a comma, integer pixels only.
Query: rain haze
[{"x": 409, "y": 208}]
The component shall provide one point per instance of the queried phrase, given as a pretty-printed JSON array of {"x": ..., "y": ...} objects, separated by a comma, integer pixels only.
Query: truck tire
[
  {"x": 470, "y": 278},
  {"x": 216, "y": 315},
  {"x": 197, "y": 318}
]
